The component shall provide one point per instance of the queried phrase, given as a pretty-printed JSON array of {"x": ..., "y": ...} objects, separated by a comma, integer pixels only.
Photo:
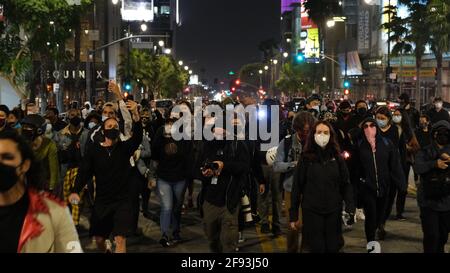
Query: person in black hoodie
[
  {"x": 321, "y": 182},
  {"x": 433, "y": 193},
  {"x": 172, "y": 158},
  {"x": 225, "y": 163},
  {"x": 379, "y": 170}
]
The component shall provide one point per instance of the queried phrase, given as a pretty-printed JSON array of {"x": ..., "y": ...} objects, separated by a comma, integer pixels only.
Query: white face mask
[
  {"x": 397, "y": 119},
  {"x": 104, "y": 118},
  {"x": 91, "y": 125},
  {"x": 438, "y": 105},
  {"x": 317, "y": 108},
  {"x": 322, "y": 139}
]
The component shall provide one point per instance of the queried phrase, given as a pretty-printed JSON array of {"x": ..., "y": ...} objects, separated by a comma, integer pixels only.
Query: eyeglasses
[{"x": 371, "y": 125}]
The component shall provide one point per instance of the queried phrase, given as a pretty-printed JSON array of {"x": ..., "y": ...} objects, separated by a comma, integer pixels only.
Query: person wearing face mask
[
  {"x": 438, "y": 113},
  {"x": 69, "y": 151},
  {"x": 389, "y": 129},
  {"x": 14, "y": 118},
  {"x": 224, "y": 164},
  {"x": 361, "y": 113},
  {"x": 57, "y": 124},
  {"x": 4, "y": 113},
  {"x": 423, "y": 133},
  {"x": 408, "y": 147},
  {"x": 433, "y": 193},
  {"x": 109, "y": 162},
  {"x": 379, "y": 169},
  {"x": 288, "y": 154},
  {"x": 321, "y": 184},
  {"x": 31, "y": 221},
  {"x": 171, "y": 158},
  {"x": 313, "y": 105},
  {"x": 45, "y": 149}
]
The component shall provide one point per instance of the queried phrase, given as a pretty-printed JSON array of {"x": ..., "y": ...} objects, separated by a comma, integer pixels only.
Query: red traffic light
[
  {"x": 238, "y": 82},
  {"x": 233, "y": 89},
  {"x": 346, "y": 91}
]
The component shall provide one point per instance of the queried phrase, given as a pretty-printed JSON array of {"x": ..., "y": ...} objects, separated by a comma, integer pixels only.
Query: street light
[
  {"x": 186, "y": 67},
  {"x": 266, "y": 68},
  {"x": 180, "y": 63},
  {"x": 167, "y": 51},
  {"x": 190, "y": 72},
  {"x": 324, "y": 79},
  {"x": 260, "y": 71},
  {"x": 144, "y": 27},
  {"x": 161, "y": 43},
  {"x": 115, "y": 2},
  {"x": 285, "y": 54},
  {"x": 275, "y": 61},
  {"x": 331, "y": 23},
  {"x": 51, "y": 22}
]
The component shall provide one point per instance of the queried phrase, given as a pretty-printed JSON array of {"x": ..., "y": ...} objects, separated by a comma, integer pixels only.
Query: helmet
[
  {"x": 36, "y": 121},
  {"x": 271, "y": 154}
]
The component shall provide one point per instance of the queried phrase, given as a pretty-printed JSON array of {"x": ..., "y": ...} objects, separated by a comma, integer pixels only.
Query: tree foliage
[{"x": 157, "y": 74}]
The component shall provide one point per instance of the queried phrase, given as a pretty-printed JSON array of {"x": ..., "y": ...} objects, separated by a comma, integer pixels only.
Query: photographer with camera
[
  {"x": 433, "y": 193},
  {"x": 224, "y": 165}
]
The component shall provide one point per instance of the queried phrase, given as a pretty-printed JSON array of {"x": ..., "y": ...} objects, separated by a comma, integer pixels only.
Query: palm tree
[
  {"x": 439, "y": 26},
  {"x": 320, "y": 11},
  {"x": 268, "y": 47}
]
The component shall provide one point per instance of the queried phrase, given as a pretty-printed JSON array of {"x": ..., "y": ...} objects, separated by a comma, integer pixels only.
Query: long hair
[
  {"x": 33, "y": 175},
  {"x": 312, "y": 150}
]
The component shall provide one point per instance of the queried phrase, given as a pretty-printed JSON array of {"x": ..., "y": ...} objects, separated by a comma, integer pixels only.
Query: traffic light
[
  {"x": 238, "y": 82},
  {"x": 233, "y": 89},
  {"x": 300, "y": 58},
  {"x": 346, "y": 84},
  {"x": 346, "y": 91},
  {"x": 127, "y": 86}
]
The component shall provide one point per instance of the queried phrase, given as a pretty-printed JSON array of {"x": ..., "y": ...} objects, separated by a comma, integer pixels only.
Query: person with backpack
[
  {"x": 433, "y": 194},
  {"x": 288, "y": 154},
  {"x": 321, "y": 183},
  {"x": 379, "y": 169}
]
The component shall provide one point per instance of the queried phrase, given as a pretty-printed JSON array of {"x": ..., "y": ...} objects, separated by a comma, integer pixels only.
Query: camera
[
  {"x": 246, "y": 209},
  {"x": 210, "y": 166}
]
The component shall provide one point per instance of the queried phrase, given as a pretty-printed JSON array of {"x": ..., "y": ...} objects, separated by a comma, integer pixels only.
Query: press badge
[{"x": 214, "y": 180}]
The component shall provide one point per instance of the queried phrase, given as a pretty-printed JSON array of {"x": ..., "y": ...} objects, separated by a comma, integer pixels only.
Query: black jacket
[
  {"x": 111, "y": 168},
  {"x": 437, "y": 116},
  {"x": 426, "y": 167},
  {"x": 321, "y": 185},
  {"x": 228, "y": 190},
  {"x": 378, "y": 175}
]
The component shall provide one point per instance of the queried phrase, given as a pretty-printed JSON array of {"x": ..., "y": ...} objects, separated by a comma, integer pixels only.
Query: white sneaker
[
  {"x": 360, "y": 214},
  {"x": 241, "y": 238}
]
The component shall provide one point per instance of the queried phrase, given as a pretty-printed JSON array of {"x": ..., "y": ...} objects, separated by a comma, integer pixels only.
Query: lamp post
[{"x": 331, "y": 23}]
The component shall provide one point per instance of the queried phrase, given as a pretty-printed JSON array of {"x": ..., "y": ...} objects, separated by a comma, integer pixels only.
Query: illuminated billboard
[
  {"x": 286, "y": 5},
  {"x": 137, "y": 10}
]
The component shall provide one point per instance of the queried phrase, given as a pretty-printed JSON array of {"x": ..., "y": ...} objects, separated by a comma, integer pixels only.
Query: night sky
[{"x": 223, "y": 35}]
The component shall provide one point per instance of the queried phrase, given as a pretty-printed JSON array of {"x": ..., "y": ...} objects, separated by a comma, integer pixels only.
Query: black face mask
[
  {"x": 112, "y": 134},
  {"x": 8, "y": 177},
  {"x": 361, "y": 111},
  {"x": 75, "y": 121},
  {"x": 442, "y": 138},
  {"x": 29, "y": 135}
]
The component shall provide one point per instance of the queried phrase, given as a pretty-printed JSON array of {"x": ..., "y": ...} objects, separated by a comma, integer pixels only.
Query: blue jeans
[{"x": 171, "y": 196}]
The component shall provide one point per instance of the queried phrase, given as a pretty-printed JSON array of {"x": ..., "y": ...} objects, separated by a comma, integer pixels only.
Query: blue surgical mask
[{"x": 382, "y": 123}]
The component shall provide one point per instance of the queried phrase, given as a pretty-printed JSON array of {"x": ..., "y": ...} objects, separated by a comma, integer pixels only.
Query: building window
[{"x": 165, "y": 10}]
